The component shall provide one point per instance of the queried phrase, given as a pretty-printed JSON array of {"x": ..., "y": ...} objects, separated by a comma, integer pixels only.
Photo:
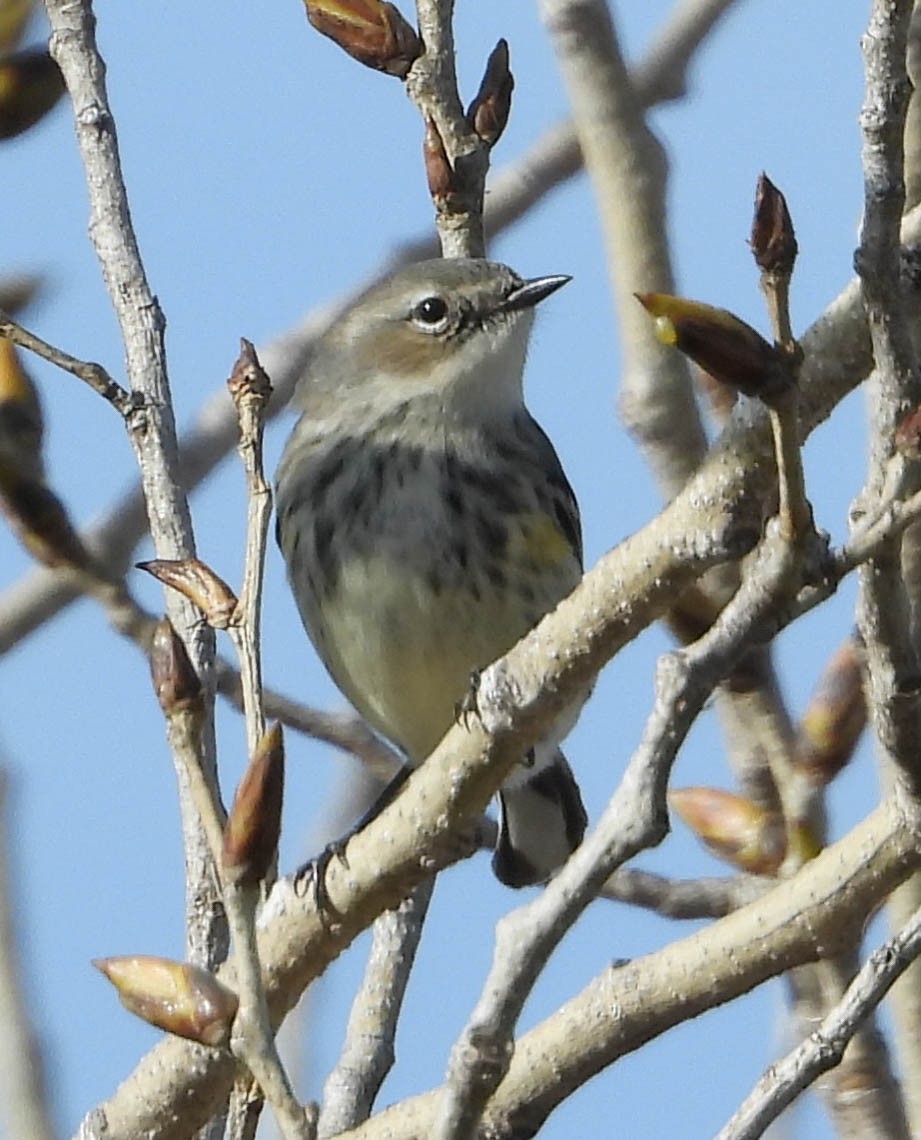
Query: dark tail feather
[{"x": 543, "y": 821}]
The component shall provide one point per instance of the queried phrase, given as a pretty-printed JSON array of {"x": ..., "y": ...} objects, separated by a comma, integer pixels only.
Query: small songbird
[{"x": 427, "y": 524}]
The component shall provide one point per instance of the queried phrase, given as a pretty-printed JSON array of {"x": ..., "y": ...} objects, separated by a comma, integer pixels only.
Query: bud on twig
[
  {"x": 489, "y": 111},
  {"x": 254, "y": 823},
  {"x": 438, "y": 170},
  {"x": 834, "y": 718},
  {"x": 197, "y": 582},
  {"x": 30, "y": 85},
  {"x": 733, "y": 828},
  {"x": 249, "y": 381},
  {"x": 730, "y": 350},
  {"x": 175, "y": 681},
  {"x": 773, "y": 240},
  {"x": 175, "y": 996},
  {"x": 374, "y": 33}
]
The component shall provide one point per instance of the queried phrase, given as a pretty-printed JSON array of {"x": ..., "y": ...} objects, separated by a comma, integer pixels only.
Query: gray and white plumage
[{"x": 427, "y": 524}]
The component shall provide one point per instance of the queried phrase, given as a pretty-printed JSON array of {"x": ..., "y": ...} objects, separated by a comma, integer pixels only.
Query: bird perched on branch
[{"x": 427, "y": 524}]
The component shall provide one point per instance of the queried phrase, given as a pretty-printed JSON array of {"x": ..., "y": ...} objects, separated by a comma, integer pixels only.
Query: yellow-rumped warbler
[{"x": 427, "y": 524}]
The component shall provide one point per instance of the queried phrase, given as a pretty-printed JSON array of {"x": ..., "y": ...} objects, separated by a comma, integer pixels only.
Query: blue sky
[{"x": 267, "y": 173}]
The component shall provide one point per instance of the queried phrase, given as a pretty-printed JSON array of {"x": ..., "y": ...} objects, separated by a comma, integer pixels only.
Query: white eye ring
[{"x": 430, "y": 314}]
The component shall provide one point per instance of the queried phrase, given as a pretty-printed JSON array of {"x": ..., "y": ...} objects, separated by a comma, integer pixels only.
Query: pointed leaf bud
[
  {"x": 373, "y": 32},
  {"x": 733, "y": 828},
  {"x": 773, "y": 240},
  {"x": 30, "y": 85},
  {"x": 835, "y": 717},
  {"x": 438, "y": 170},
  {"x": 198, "y": 582},
  {"x": 175, "y": 996},
  {"x": 254, "y": 823},
  {"x": 489, "y": 111},
  {"x": 249, "y": 381},
  {"x": 175, "y": 681},
  {"x": 724, "y": 346}
]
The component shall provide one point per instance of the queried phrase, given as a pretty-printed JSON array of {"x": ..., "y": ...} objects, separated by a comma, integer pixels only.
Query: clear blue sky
[{"x": 267, "y": 172}]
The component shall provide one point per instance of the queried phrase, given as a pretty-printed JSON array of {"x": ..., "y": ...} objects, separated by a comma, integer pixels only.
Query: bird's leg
[{"x": 314, "y": 870}]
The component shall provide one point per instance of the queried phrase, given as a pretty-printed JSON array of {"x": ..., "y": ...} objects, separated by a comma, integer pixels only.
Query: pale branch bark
[
  {"x": 93, "y": 375},
  {"x": 635, "y": 818},
  {"x": 627, "y": 168},
  {"x": 861, "y": 1093},
  {"x": 683, "y": 898},
  {"x": 23, "y": 1091},
  {"x": 368, "y": 1053},
  {"x": 253, "y": 1039},
  {"x": 820, "y": 911},
  {"x": 884, "y": 615},
  {"x": 904, "y": 1006},
  {"x": 514, "y": 190},
  {"x": 250, "y": 398},
  {"x": 825, "y": 1046},
  {"x": 151, "y": 426},
  {"x": 714, "y": 518},
  {"x": 432, "y": 86}
]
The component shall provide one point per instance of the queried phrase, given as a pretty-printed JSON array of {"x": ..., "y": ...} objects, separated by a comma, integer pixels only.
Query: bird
[{"x": 427, "y": 525}]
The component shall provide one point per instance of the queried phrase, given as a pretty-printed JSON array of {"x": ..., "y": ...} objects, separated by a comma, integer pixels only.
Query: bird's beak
[{"x": 528, "y": 294}]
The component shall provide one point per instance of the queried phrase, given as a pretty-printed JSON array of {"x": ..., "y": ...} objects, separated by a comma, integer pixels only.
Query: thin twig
[
  {"x": 251, "y": 392},
  {"x": 24, "y": 1097},
  {"x": 825, "y": 1046},
  {"x": 683, "y": 898},
  {"x": 253, "y": 1039},
  {"x": 514, "y": 189},
  {"x": 455, "y": 783},
  {"x": 151, "y": 426},
  {"x": 432, "y": 86},
  {"x": 628, "y": 169},
  {"x": 124, "y": 402},
  {"x": 368, "y": 1053},
  {"x": 635, "y": 818}
]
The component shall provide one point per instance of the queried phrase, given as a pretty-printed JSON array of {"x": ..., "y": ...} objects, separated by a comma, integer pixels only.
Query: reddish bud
[
  {"x": 175, "y": 681},
  {"x": 730, "y": 350},
  {"x": 773, "y": 240},
  {"x": 175, "y": 996},
  {"x": 438, "y": 170},
  {"x": 489, "y": 111},
  {"x": 197, "y": 582},
  {"x": 249, "y": 381},
  {"x": 373, "y": 32},
  {"x": 254, "y": 823}
]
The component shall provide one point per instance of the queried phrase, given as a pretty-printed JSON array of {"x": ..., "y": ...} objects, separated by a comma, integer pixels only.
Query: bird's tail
[{"x": 543, "y": 821}]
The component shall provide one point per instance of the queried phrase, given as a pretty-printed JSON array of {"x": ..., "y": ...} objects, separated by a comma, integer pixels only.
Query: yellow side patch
[{"x": 543, "y": 540}]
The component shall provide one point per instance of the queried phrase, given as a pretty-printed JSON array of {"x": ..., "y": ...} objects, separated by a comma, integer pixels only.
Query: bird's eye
[{"x": 430, "y": 312}]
